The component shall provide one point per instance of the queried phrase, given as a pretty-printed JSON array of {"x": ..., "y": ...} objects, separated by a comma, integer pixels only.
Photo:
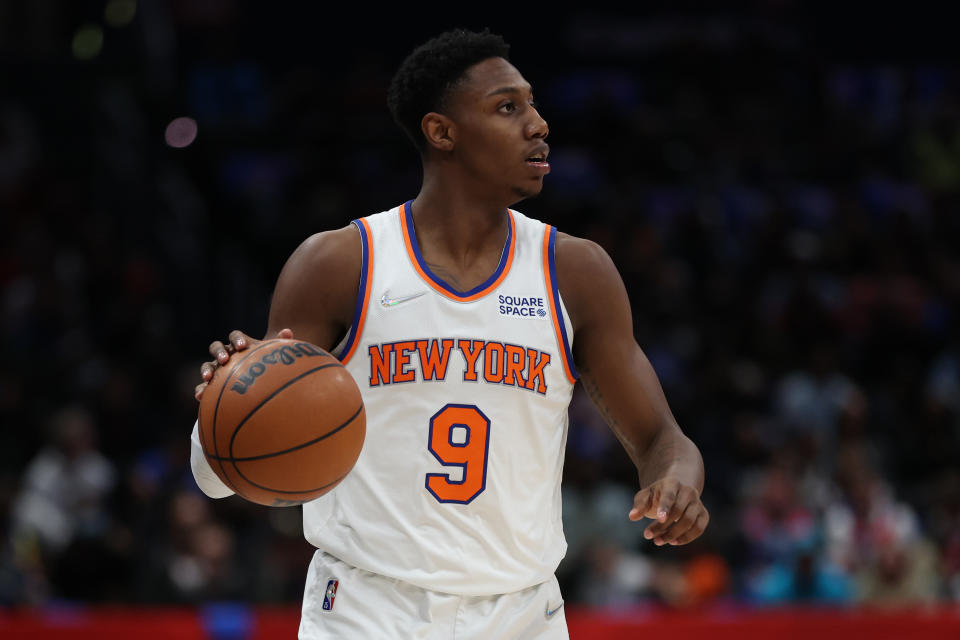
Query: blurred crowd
[{"x": 785, "y": 224}]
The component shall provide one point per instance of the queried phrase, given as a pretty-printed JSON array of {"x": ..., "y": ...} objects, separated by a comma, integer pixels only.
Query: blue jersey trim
[
  {"x": 361, "y": 297},
  {"x": 552, "y": 259},
  {"x": 504, "y": 257}
]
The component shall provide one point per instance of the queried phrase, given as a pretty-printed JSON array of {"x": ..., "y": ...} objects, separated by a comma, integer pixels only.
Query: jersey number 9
[{"x": 459, "y": 437}]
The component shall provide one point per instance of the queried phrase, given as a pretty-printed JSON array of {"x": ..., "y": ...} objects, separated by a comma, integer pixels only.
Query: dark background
[{"x": 776, "y": 181}]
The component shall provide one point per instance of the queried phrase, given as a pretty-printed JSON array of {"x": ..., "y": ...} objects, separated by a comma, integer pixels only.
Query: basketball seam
[
  {"x": 216, "y": 414},
  {"x": 266, "y": 488},
  {"x": 236, "y": 430},
  {"x": 272, "y": 490},
  {"x": 290, "y": 491},
  {"x": 270, "y": 397},
  {"x": 299, "y": 446}
]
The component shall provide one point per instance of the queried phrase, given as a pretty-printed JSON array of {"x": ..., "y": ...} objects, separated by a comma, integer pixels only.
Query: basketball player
[{"x": 466, "y": 325}]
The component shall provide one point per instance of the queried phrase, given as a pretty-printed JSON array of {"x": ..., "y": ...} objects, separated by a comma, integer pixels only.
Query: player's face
[{"x": 500, "y": 134}]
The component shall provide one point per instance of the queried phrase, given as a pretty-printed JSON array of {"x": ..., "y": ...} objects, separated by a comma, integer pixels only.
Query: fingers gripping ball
[{"x": 282, "y": 423}]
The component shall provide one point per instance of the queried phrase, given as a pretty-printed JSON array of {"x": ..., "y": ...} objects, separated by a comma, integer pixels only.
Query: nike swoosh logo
[
  {"x": 387, "y": 301},
  {"x": 548, "y": 613}
]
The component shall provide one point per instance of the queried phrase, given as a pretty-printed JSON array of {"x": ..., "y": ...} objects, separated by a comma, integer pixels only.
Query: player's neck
[{"x": 455, "y": 223}]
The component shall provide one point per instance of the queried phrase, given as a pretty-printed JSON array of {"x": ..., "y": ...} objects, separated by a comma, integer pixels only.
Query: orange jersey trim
[
  {"x": 366, "y": 281},
  {"x": 437, "y": 284},
  {"x": 553, "y": 295}
]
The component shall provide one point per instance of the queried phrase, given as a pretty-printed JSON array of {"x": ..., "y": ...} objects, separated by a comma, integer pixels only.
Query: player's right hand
[{"x": 237, "y": 341}]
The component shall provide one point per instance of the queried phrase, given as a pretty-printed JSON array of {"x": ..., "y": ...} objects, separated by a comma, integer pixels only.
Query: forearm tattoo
[{"x": 597, "y": 396}]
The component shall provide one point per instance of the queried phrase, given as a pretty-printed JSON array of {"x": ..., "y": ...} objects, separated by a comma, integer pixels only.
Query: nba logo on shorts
[{"x": 331, "y": 593}]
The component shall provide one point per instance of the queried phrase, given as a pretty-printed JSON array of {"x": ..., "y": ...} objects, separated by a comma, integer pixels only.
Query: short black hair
[{"x": 424, "y": 79}]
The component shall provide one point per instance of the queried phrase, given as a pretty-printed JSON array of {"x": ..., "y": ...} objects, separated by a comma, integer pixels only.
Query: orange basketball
[{"x": 282, "y": 423}]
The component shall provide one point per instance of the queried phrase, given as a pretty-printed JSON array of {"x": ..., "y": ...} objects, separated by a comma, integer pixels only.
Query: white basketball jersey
[{"x": 466, "y": 393}]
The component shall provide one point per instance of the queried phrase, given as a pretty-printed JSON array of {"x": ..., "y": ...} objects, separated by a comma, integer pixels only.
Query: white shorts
[{"x": 368, "y": 606}]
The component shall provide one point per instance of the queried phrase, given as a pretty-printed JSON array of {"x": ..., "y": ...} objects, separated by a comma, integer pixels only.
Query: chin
[{"x": 523, "y": 193}]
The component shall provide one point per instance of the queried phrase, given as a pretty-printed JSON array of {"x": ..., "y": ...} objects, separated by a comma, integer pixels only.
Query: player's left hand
[{"x": 679, "y": 515}]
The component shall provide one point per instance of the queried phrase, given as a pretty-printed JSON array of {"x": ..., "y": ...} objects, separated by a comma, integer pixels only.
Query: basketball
[{"x": 282, "y": 423}]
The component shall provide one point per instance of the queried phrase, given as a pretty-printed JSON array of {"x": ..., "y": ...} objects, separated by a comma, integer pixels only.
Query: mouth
[{"x": 538, "y": 159}]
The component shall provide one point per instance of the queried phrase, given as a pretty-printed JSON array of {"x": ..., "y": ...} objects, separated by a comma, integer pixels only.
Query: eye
[
  {"x": 507, "y": 107},
  {"x": 534, "y": 104}
]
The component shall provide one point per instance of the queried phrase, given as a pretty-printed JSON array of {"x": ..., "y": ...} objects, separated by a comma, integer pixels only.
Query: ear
[{"x": 439, "y": 130}]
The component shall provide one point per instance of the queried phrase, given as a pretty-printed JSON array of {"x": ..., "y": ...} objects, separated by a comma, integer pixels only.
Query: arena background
[{"x": 777, "y": 182}]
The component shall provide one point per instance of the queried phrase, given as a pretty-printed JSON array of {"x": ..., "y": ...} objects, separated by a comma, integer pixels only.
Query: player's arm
[
  {"x": 625, "y": 389},
  {"x": 314, "y": 300},
  {"x": 316, "y": 293}
]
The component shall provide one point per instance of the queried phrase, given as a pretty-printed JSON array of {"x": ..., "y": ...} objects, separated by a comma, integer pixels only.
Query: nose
[{"x": 537, "y": 127}]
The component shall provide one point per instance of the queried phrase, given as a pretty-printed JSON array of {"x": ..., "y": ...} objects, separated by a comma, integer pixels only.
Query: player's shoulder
[
  {"x": 317, "y": 286},
  {"x": 331, "y": 249},
  {"x": 342, "y": 247},
  {"x": 569, "y": 248},
  {"x": 582, "y": 254},
  {"x": 586, "y": 276}
]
